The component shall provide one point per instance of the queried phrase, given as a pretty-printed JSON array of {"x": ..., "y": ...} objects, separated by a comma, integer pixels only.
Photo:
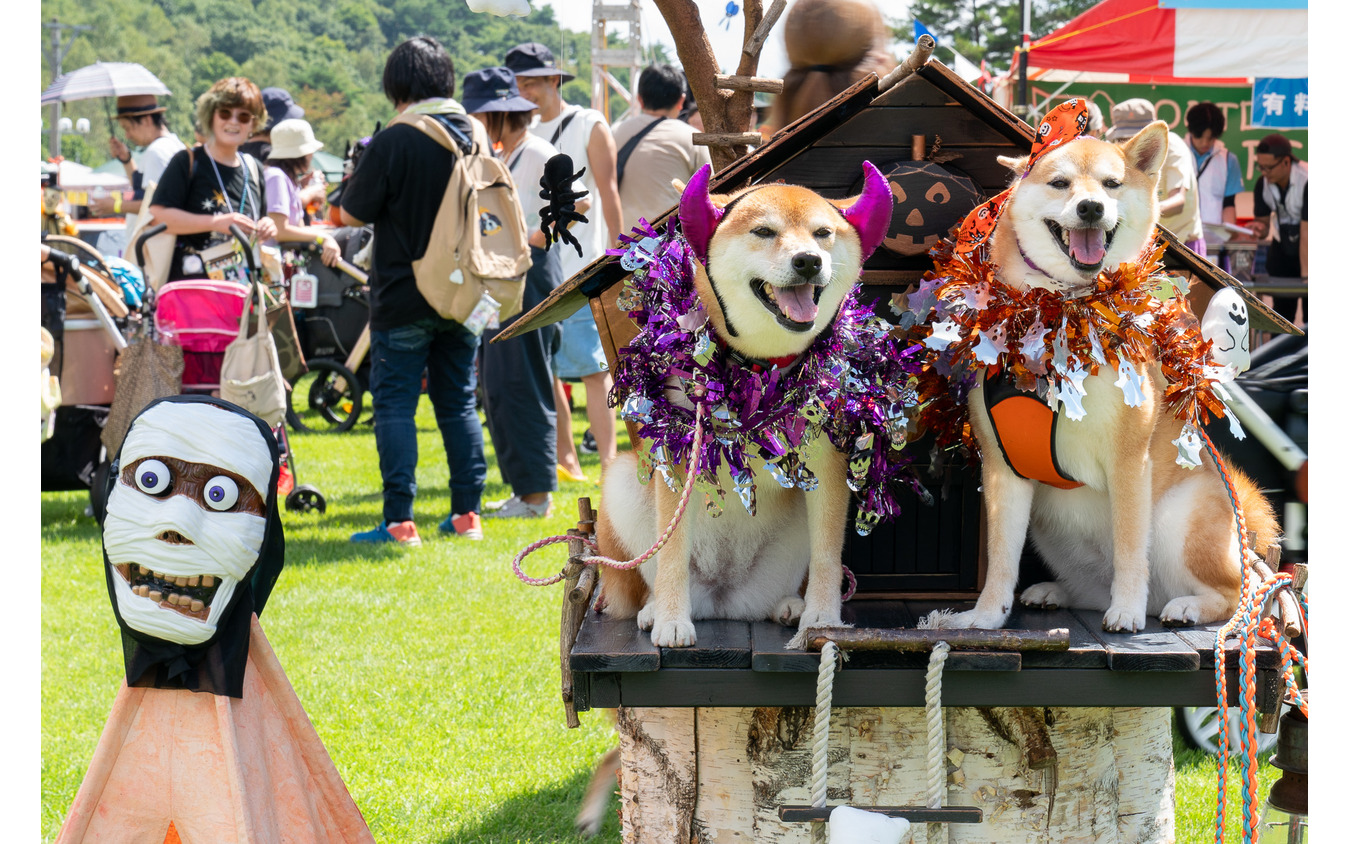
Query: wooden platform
[{"x": 737, "y": 663}]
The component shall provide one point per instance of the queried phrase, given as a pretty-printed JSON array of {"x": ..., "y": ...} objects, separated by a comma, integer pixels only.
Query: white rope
[
  {"x": 937, "y": 740},
  {"x": 820, "y": 740}
]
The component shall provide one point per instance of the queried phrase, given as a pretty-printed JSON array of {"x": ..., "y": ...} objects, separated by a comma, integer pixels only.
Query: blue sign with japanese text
[{"x": 1280, "y": 103}]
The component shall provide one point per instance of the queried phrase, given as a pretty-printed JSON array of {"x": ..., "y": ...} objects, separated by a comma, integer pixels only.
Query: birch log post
[{"x": 1056, "y": 775}]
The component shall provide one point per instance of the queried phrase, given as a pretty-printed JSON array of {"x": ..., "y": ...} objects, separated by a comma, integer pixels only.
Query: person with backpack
[
  {"x": 207, "y": 189},
  {"x": 517, "y": 374},
  {"x": 582, "y": 134},
  {"x": 655, "y": 147},
  {"x": 399, "y": 187}
]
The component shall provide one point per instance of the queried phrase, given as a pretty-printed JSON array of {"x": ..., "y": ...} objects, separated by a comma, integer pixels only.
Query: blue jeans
[{"x": 445, "y": 350}]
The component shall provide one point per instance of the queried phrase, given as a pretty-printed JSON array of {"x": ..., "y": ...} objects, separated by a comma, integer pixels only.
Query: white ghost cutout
[
  {"x": 1226, "y": 324},
  {"x": 855, "y": 826},
  {"x": 501, "y": 8},
  {"x": 1131, "y": 383}
]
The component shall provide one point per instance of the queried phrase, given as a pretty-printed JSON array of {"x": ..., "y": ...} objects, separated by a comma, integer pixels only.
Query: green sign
[{"x": 1172, "y": 102}]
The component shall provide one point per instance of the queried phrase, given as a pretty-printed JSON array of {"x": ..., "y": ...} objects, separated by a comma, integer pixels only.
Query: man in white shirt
[
  {"x": 656, "y": 147},
  {"x": 582, "y": 134},
  {"x": 1178, "y": 192},
  {"x": 141, "y": 118}
]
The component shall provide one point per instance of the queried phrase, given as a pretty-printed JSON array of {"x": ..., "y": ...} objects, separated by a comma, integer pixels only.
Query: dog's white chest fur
[{"x": 741, "y": 566}]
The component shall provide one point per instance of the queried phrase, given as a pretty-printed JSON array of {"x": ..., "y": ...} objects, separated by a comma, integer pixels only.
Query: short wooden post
[{"x": 579, "y": 580}]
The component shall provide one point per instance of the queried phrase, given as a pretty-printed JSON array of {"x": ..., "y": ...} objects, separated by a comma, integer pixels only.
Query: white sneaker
[{"x": 516, "y": 508}]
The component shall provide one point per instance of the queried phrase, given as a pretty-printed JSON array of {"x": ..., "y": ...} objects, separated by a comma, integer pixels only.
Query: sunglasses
[
  {"x": 242, "y": 116},
  {"x": 1267, "y": 168}
]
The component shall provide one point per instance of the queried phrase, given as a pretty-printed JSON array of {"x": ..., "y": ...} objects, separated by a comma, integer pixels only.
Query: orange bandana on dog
[{"x": 1065, "y": 122}]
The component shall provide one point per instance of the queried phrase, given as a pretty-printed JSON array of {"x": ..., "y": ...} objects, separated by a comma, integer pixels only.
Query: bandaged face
[{"x": 186, "y": 518}]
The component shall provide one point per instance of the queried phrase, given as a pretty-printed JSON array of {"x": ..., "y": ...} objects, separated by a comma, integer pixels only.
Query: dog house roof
[{"x": 824, "y": 150}]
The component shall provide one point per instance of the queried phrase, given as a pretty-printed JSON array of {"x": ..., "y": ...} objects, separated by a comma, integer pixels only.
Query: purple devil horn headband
[
  {"x": 698, "y": 215},
  {"x": 869, "y": 215}
]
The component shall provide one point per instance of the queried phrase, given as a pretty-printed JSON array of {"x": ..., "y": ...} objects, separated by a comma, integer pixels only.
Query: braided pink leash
[
  {"x": 596, "y": 559},
  {"x": 685, "y": 495}
]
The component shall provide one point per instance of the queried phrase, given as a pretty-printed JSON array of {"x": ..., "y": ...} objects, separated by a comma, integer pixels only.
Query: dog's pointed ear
[
  {"x": 1147, "y": 150},
  {"x": 870, "y": 213},
  {"x": 698, "y": 215},
  {"x": 1017, "y": 165}
]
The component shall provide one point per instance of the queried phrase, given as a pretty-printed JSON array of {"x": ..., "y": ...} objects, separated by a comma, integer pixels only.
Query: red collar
[{"x": 757, "y": 364}]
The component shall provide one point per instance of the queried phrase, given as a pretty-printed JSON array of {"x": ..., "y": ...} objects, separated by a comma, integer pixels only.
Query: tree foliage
[
  {"x": 990, "y": 29},
  {"x": 329, "y": 54}
]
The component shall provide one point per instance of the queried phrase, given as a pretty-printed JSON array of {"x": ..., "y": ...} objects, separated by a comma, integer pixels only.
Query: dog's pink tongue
[
  {"x": 1087, "y": 246},
  {"x": 797, "y": 302}
]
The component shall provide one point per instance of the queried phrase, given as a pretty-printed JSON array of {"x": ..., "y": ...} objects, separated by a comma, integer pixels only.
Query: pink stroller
[{"x": 202, "y": 315}]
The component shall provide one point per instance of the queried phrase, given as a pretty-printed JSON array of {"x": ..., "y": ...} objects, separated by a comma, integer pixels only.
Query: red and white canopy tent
[{"x": 1178, "y": 42}]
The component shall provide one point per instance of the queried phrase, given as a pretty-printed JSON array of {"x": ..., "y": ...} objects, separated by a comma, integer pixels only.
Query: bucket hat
[
  {"x": 293, "y": 139},
  {"x": 1128, "y": 117},
  {"x": 493, "y": 89},
  {"x": 534, "y": 59},
  {"x": 279, "y": 106}
]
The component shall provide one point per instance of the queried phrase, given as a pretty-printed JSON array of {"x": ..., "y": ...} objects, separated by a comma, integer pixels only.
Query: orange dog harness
[{"x": 1024, "y": 427}]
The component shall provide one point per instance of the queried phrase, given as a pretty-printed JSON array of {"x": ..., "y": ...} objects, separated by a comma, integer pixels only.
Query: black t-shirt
[
  {"x": 1281, "y": 257},
  {"x": 200, "y": 193},
  {"x": 398, "y": 186}
]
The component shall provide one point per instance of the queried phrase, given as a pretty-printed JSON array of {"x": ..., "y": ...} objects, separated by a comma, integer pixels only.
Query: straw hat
[{"x": 293, "y": 139}]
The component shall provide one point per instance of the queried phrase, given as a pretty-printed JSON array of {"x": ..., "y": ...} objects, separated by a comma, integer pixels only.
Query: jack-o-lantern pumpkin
[{"x": 930, "y": 199}]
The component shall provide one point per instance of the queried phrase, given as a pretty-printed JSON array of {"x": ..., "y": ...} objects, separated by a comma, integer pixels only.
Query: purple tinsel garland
[{"x": 855, "y": 383}]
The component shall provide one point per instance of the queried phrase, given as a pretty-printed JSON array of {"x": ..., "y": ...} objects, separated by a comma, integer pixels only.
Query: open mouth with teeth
[
  {"x": 189, "y": 596},
  {"x": 1086, "y": 248},
  {"x": 794, "y": 307}
]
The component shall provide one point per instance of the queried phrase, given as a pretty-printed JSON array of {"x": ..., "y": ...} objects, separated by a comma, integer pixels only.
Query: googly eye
[
  {"x": 221, "y": 493},
  {"x": 153, "y": 477}
]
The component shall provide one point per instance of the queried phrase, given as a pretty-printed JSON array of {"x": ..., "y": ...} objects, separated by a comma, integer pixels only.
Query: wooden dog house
[{"x": 715, "y": 736}]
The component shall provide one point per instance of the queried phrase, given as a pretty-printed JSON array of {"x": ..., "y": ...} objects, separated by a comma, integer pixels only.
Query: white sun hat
[{"x": 293, "y": 138}]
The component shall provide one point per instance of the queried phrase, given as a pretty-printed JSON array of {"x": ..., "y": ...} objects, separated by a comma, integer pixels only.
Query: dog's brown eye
[
  {"x": 764, "y": 231},
  {"x": 823, "y": 233},
  {"x": 1061, "y": 184},
  {"x": 1111, "y": 183}
]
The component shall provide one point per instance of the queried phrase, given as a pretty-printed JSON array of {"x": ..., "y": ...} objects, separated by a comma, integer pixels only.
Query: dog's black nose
[
  {"x": 807, "y": 264},
  {"x": 1090, "y": 211}
]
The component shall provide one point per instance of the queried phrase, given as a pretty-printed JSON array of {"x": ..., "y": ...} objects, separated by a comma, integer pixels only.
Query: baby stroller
[
  {"x": 85, "y": 312},
  {"x": 202, "y": 316},
  {"x": 332, "y": 321}
]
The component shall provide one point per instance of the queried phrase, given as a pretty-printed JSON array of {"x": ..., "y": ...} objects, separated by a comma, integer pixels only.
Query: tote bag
[{"x": 250, "y": 375}]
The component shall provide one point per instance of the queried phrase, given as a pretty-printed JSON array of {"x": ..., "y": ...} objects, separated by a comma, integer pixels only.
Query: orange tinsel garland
[{"x": 970, "y": 319}]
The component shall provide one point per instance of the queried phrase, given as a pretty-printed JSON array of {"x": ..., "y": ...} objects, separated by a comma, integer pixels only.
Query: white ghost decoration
[
  {"x": 992, "y": 344},
  {"x": 1188, "y": 446},
  {"x": 1131, "y": 383},
  {"x": 855, "y": 826},
  {"x": 944, "y": 334},
  {"x": 1226, "y": 323},
  {"x": 501, "y": 8}
]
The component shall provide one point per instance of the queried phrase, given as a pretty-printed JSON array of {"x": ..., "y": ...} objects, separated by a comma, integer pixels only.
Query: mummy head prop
[{"x": 187, "y": 518}]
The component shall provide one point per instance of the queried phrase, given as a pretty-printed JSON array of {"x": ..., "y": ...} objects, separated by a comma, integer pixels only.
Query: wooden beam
[
  {"x": 888, "y": 639},
  {"x": 749, "y": 83},
  {"x": 761, "y": 34},
  {"x": 727, "y": 139},
  {"x": 923, "y": 51}
]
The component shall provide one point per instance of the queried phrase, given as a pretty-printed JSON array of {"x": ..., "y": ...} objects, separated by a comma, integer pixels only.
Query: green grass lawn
[{"x": 431, "y": 674}]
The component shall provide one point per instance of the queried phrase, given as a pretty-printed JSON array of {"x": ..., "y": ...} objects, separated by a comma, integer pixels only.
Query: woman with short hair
[{"x": 221, "y": 187}]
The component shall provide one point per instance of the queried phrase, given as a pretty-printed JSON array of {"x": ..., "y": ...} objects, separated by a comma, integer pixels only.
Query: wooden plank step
[
  {"x": 1202, "y": 639},
  {"x": 1156, "y": 648},
  {"x": 613, "y": 644},
  {"x": 720, "y": 644}
]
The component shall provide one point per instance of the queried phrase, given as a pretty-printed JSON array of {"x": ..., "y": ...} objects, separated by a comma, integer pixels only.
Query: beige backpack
[{"x": 478, "y": 243}]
